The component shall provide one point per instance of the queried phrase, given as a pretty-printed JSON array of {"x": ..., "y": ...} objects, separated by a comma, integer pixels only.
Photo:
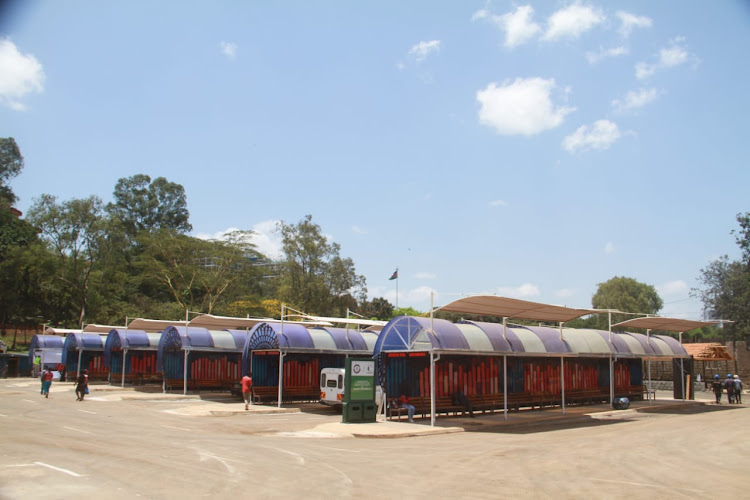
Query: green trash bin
[
  {"x": 352, "y": 412},
  {"x": 369, "y": 412}
]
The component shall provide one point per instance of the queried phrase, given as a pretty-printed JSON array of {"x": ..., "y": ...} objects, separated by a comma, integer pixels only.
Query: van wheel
[{"x": 339, "y": 410}]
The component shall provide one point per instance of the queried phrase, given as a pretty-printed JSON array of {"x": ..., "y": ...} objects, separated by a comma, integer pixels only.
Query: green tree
[
  {"x": 313, "y": 276},
  {"x": 725, "y": 290},
  {"x": 627, "y": 295},
  {"x": 142, "y": 205},
  {"x": 196, "y": 273},
  {"x": 377, "y": 308},
  {"x": 11, "y": 164},
  {"x": 74, "y": 230}
]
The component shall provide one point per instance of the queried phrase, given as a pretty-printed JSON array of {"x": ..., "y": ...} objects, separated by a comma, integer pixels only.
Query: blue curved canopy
[
  {"x": 82, "y": 342},
  {"x": 413, "y": 333},
  {"x": 300, "y": 338},
  {"x": 121, "y": 338},
  {"x": 45, "y": 342},
  {"x": 176, "y": 338}
]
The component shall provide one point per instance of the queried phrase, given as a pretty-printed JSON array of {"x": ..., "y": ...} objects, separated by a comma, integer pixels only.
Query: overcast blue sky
[{"x": 528, "y": 149}]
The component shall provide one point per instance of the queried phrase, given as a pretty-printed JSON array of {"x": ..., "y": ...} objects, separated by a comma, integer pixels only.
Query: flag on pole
[{"x": 394, "y": 276}]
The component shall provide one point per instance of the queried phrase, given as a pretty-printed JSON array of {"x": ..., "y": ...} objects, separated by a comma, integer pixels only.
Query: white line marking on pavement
[
  {"x": 223, "y": 461},
  {"x": 58, "y": 469},
  {"x": 178, "y": 428},
  {"x": 1, "y": 415},
  {"x": 647, "y": 485},
  {"x": 300, "y": 459},
  {"x": 29, "y": 401},
  {"x": 335, "y": 449},
  {"x": 86, "y": 411},
  {"x": 77, "y": 430}
]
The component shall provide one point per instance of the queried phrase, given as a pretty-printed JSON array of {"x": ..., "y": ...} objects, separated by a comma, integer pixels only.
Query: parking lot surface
[{"x": 132, "y": 444}]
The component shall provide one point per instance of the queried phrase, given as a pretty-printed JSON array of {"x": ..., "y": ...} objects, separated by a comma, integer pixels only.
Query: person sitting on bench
[
  {"x": 403, "y": 402},
  {"x": 460, "y": 399}
]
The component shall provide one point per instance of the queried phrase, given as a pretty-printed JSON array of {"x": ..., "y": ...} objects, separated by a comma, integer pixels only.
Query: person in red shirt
[
  {"x": 247, "y": 387},
  {"x": 46, "y": 382},
  {"x": 404, "y": 402}
]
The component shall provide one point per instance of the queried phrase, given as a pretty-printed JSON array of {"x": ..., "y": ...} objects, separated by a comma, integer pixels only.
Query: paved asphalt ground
[{"x": 128, "y": 444}]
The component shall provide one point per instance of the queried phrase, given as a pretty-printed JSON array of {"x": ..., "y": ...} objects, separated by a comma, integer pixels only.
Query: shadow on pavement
[{"x": 690, "y": 409}]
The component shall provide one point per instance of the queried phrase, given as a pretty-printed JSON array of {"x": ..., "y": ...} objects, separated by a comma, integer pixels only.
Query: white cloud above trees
[
  {"x": 635, "y": 99},
  {"x": 601, "y": 135},
  {"x": 20, "y": 75},
  {"x": 518, "y": 25},
  {"x": 522, "y": 107},
  {"x": 572, "y": 22}
]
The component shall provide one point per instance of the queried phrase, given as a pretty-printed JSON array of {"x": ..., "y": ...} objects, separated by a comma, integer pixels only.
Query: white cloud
[
  {"x": 601, "y": 136},
  {"x": 669, "y": 57},
  {"x": 266, "y": 238},
  {"x": 677, "y": 287},
  {"x": 20, "y": 74},
  {"x": 425, "y": 276},
  {"x": 498, "y": 203},
  {"x": 421, "y": 50},
  {"x": 635, "y": 99},
  {"x": 609, "y": 248},
  {"x": 229, "y": 49},
  {"x": 572, "y": 21},
  {"x": 595, "y": 57},
  {"x": 517, "y": 25},
  {"x": 523, "y": 107},
  {"x": 629, "y": 21},
  {"x": 524, "y": 291},
  {"x": 358, "y": 230}
]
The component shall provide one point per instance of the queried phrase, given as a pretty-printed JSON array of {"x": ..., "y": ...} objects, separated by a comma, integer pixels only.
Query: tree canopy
[
  {"x": 627, "y": 295},
  {"x": 314, "y": 277},
  {"x": 11, "y": 164},
  {"x": 142, "y": 205},
  {"x": 725, "y": 290}
]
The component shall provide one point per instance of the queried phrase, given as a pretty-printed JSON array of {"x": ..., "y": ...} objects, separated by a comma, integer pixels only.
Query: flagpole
[{"x": 396, "y": 287}]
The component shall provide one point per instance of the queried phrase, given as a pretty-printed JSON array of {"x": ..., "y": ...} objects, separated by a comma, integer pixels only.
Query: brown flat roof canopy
[
  {"x": 505, "y": 307},
  {"x": 665, "y": 324}
]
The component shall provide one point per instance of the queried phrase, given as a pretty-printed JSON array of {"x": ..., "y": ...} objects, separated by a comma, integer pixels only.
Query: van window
[
  {"x": 331, "y": 383},
  {"x": 322, "y": 380},
  {"x": 341, "y": 381}
]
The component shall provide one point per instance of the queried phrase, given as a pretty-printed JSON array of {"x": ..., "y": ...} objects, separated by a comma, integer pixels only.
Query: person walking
[
  {"x": 717, "y": 387},
  {"x": 737, "y": 389},
  {"x": 247, "y": 389},
  {"x": 729, "y": 386},
  {"x": 82, "y": 385},
  {"x": 47, "y": 377}
]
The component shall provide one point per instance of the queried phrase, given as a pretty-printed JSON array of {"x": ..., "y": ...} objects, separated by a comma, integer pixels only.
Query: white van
[{"x": 332, "y": 387}]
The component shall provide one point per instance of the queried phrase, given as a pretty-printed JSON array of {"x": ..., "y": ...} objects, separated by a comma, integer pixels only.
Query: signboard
[{"x": 363, "y": 381}]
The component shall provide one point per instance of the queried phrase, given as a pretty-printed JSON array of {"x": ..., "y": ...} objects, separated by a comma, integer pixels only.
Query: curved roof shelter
[
  {"x": 295, "y": 337},
  {"x": 408, "y": 333},
  {"x": 152, "y": 325},
  {"x": 506, "y": 307},
  {"x": 180, "y": 338},
  {"x": 667, "y": 324},
  {"x": 45, "y": 342},
  {"x": 121, "y": 338},
  {"x": 82, "y": 342}
]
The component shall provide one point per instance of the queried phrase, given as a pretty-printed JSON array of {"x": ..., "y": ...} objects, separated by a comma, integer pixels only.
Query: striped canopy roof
[
  {"x": 121, "y": 338},
  {"x": 297, "y": 337},
  {"x": 82, "y": 342},
  {"x": 45, "y": 342},
  {"x": 414, "y": 333},
  {"x": 179, "y": 338}
]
